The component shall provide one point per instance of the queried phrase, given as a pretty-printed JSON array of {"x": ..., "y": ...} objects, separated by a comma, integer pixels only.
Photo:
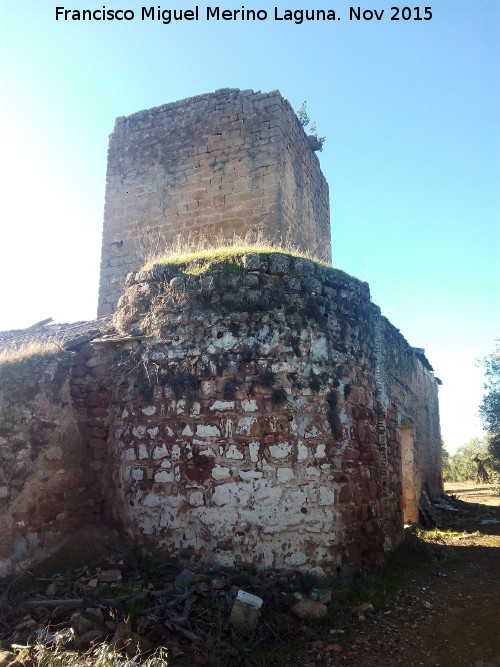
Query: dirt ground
[
  {"x": 447, "y": 613},
  {"x": 473, "y": 493}
]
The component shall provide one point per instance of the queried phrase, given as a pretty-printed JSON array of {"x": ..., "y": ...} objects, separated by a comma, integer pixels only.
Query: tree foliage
[
  {"x": 445, "y": 463},
  {"x": 460, "y": 467},
  {"x": 490, "y": 407}
]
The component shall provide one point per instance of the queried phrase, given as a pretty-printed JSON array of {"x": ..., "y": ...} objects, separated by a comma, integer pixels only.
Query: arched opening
[{"x": 410, "y": 500}]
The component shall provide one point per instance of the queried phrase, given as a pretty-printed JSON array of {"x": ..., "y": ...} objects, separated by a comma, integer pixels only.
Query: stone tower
[{"x": 231, "y": 162}]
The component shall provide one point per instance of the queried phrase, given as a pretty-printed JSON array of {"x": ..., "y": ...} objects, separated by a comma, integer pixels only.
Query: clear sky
[{"x": 410, "y": 110}]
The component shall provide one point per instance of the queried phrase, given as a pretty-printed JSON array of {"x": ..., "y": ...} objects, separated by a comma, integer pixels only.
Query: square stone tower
[{"x": 231, "y": 162}]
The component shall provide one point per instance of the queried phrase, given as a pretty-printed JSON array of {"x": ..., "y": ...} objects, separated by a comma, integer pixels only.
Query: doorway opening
[{"x": 410, "y": 500}]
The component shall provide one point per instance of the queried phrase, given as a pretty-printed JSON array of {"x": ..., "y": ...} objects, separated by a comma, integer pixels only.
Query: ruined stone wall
[
  {"x": 227, "y": 163},
  {"x": 258, "y": 410},
  {"x": 44, "y": 494},
  {"x": 412, "y": 390},
  {"x": 248, "y": 428}
]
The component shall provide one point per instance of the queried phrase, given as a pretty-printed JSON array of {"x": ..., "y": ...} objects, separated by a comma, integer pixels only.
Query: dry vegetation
[
  {"x": 15, "y": 356},
  {"x": 215, "y": 248},
  {"x": 486, "y": 494},
  {"x": 56, "y": 655}
]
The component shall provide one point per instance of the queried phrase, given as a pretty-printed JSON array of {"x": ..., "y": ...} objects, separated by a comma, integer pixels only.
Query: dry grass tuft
[
  {"x": 183, "y": 250},
  {"x": 27, "y": 352},
  {"x": 41, "y": 655}
]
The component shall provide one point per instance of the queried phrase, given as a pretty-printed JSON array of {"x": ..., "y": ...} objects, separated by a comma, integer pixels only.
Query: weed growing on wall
[
  {"x": 304, "y": 120},
  {"x": 267, "y": 378},
  {"x": 333, "y": 410}
]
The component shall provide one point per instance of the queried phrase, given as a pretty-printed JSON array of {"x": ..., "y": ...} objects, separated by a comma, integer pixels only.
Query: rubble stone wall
[
  {"x": 410, "y": 386},
  {"x": 233, "y": 163},
  {"x": 248, "y": 426},
  {"x": 44, "y": 494},
  {"x": 245, "y": 411}
]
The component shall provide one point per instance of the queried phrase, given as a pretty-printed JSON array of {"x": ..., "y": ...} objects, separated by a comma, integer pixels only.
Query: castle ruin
[{"x": 253, "y": 410}]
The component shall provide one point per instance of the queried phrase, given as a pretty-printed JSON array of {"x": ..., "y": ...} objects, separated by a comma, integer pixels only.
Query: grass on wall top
[
  {"x": 16, "y": 357},
  {"x": 195, "y": 256}
]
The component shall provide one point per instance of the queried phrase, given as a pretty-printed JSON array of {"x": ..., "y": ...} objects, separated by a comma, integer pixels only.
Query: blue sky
[{"x": 410, "y": 110}]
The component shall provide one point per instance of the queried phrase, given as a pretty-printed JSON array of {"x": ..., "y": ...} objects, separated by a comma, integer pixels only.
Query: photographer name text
[{"x": 297, "y": 16}]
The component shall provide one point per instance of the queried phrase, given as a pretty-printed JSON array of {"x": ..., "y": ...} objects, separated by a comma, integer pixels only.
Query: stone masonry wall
[
  {"x": 245, "y": 411},
  {"x": 231, "y": 163},
  {"x": 411, "y": 387},
  {"x": 248, "y": 425},
  {"x": 44, "y": 493},
  {"x": 247, "y": 429}
]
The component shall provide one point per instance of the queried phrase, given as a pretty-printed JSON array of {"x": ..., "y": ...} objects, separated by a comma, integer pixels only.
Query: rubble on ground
[{"x": 448, "y": 511}]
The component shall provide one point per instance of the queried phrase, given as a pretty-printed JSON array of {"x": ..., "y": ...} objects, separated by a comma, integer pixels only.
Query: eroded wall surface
[
  {"x": 43, "y": 491},
  {"x": 227, "y": 163}
]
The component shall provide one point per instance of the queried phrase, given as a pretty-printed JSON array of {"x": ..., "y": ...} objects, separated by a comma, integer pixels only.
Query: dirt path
[
  {"x": 473, "y": 493},
  {"x": 448, "y": 612}
]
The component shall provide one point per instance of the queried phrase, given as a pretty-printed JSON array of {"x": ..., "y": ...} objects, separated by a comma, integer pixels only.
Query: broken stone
[
  {"x": 279, "y": 264},
  {"x": 97, "y": 612},
  {"x": 246, "y": 611},
  {"x": 427, "y": 605},
  {"x": 310, "y": 609},
  {"x": 322, "y": 594},
  {"x": 184, "y": 579},
  {"x": 335, "y": 648},
  {"x": 109, "y": 576},
  {"x": 178, "y": 285},
  {"x": 130, "y": 642},
  {"x": 255, "y": 262},
  {"x": 80, "y": 624},
  {"x": 314, "y": 143},
  {"x": 52, "y": 589}
]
